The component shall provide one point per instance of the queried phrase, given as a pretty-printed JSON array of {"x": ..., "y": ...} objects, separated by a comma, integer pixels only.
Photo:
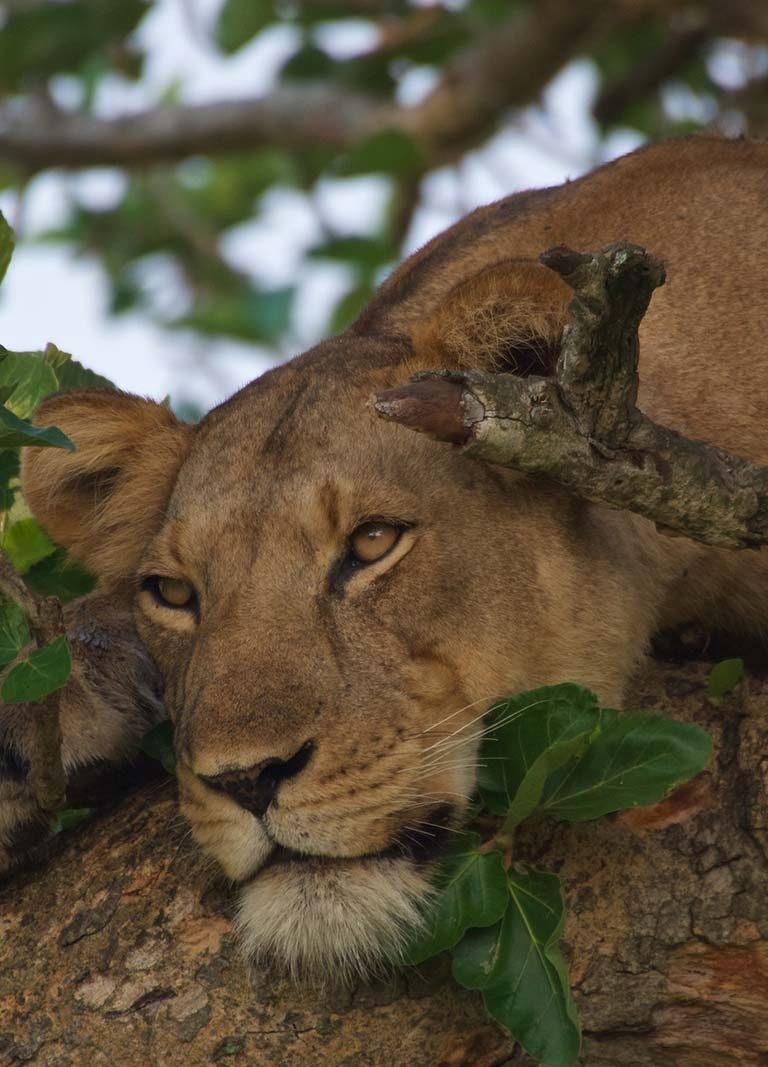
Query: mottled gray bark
[{"x": 581, "y": 427}]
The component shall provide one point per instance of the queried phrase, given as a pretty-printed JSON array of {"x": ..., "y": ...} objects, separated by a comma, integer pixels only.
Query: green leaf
[
  {"x": 68, "y": 818},
  {"x": 521, "y": 971},
  {"x": 43, "y": 672},
  {"x": 157, "y": 743},
  {"x": 26, "y": 542},
  {"x": 537, "y": 733},
  {"x": 29, "y": 379},
  {"x": 71, "y": 374},
  {"x": 241, "y": 20},
  {"x": 16, "y": 432},
  {"x": 637, "y": 759},
  {"x": 724, "y": 677},
  {"x": 387, "y": 152},
  {"x": 57, "y": 575},
  {"x": 14, "y": 632},
  {"x": 471, "y": 892},
  {"x": 349, "y": 307},
  {"x": 6, "y": 245}
]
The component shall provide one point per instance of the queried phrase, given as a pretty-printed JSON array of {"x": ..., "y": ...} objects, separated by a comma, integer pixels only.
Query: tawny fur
[{"x": 498, "y": 583}]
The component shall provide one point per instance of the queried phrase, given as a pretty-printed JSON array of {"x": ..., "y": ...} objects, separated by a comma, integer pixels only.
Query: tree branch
[
  {"x": 582, "y": 427},
  {"x": 46, "y": 623},
  {"x": 506, "y": 67}
]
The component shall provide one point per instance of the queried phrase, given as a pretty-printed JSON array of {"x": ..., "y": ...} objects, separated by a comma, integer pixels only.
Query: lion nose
[{"x": 256, "y": 787}]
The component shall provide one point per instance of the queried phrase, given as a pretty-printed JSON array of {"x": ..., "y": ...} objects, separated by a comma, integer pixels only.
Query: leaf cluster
[
  {"x": 555, "y": 752},
  {"x": 30, "y": 674}
]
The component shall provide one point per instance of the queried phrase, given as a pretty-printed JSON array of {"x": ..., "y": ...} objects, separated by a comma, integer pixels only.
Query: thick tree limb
[
  {"x": 582, "y": 427},
  {"x": 46, "y": 622},
  {"x": 122, "y": 952}
]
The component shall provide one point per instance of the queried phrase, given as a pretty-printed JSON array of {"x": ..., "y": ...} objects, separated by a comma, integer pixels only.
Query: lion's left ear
[
  {"x": 508, "y": 317},
  {"x": 104, "y": 501}
]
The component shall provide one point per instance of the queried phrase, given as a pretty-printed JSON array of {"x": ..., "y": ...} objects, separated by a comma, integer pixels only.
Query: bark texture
[
  {"x": 582, "y": 427},
  {"x": 121, "y": 951}
]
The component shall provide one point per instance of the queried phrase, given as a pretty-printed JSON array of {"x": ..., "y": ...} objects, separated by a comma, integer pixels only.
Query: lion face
[
  {"x": 333, "y": 604},
  {"x": 309, "y": 617}
]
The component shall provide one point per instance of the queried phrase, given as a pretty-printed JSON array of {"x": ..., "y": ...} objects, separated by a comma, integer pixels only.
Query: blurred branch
[{"x": 507, "y": 67}]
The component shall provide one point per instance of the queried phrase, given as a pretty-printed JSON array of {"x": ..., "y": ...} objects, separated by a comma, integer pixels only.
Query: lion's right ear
[{"x": 104, "y": 501}]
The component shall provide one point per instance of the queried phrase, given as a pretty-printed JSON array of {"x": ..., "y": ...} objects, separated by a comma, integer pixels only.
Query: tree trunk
[{"x": 120, "y": 951}]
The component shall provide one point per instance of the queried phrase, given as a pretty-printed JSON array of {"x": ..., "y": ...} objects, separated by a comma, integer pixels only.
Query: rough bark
[
  {"x": 121, "y": 950},
  {"x": 582, "y": 427}
]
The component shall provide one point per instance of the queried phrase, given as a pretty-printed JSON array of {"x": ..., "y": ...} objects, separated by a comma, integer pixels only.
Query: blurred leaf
[
  {"x": 387, "y": 152},
  {"x": 256, "y": 315},
  {"x": 43, "y": 672},
  {"x": 628, "y": 46},
  {"x": 367, "y": 253},
  {"x": 636, "y": 759},
  {"x": 157, "y": 743},
  {"x": 472, "y": 892},
  {"x": 724, "y": 677},
  {"x": 349, "y": 307},
  {"x": 520, "y": 969},
  {"x": 44, "y": 39},
  {"x": 15, "y": 432},
  {"x": 68, "y": 818},
  {"x": 310, "y": 63},
  {"x": 6, "y": 245},
  {"x": 14, "y": 631},
  {"x": 30, "y": 379},
  {"x": 57, "y": 575},
  {"x": 26, "y": 543},
  {"x": 240, "y": 21}
]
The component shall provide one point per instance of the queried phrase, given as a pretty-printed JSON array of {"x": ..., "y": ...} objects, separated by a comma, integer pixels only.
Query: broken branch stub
[{"x": 582, "y": 427}]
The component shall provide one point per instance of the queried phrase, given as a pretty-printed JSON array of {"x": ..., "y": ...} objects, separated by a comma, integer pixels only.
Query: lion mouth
[{"x": 419, "y": 844}]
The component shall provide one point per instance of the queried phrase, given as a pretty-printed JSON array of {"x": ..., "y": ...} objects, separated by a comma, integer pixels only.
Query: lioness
[{"x": 332, "y": 602}]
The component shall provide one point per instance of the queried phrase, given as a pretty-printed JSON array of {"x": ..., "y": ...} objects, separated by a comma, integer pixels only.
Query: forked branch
[{"x": 582, "y": 427}]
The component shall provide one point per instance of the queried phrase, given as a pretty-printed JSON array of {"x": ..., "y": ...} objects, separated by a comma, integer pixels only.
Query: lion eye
[
  {"x": 172, "y": 592},
  {"x": 372, "y": 540}
]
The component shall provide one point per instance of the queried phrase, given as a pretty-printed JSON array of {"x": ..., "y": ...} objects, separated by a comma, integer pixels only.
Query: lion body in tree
[{"x": 328, "y": 708}]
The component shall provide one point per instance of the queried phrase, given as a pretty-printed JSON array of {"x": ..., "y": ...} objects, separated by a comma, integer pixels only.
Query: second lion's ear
[
  {"x": 104, "y": 501},
  {"x": 508, "y": 317}
]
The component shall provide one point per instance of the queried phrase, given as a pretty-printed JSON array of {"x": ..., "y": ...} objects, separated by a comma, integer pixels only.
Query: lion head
[{"x": 334, "y": 603}]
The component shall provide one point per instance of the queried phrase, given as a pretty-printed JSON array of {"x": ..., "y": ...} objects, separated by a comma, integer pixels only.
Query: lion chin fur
[{"x": 337, "y": 921}]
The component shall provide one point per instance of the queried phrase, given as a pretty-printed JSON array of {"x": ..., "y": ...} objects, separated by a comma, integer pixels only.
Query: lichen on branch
[{"x": 581, "y": 427}]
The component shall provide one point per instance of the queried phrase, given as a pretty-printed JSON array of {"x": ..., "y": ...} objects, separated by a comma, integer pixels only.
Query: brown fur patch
[{"x": 105, "y": 500}]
